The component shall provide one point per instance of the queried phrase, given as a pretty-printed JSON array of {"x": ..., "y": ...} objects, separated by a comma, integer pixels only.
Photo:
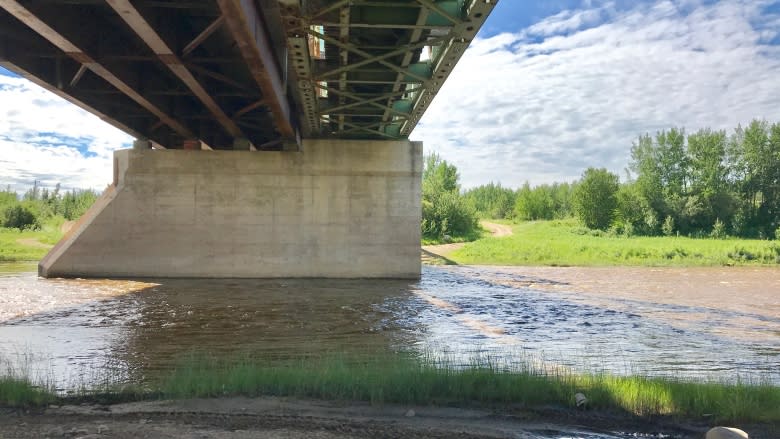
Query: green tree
[
  {"x": 595, "y": 198},
  {"x": 492, "y": 200},
  {"x": 444, "y": 210},
  {"x": 19, "y": 217}
]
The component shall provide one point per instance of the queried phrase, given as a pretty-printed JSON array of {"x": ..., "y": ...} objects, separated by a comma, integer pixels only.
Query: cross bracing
[{"x": 263, "y": 73}]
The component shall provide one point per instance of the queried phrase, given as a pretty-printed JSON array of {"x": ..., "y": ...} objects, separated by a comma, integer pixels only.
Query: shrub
[
  {"x": 668, "y": 226},
  {"x": 718, "y": 229},
  {"x": 19, "y": 217},
  {"x": 448, "y": 214}
]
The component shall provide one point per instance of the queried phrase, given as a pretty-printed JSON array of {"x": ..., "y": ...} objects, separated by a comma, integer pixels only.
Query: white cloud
[
  {"x": 568, "y": 92},
  {"x": 41, "y": 136}
]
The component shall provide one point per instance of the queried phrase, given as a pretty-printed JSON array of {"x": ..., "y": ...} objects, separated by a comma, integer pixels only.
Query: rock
[
  {"x": 56, "y": 432},
  {"x": 102, "y": 429},
  {"x": 580, "y": 400},
  {"x": 446, "y": 238},
  {"x": 726, "y": 433},
  {"x": 410, "y": 413}
]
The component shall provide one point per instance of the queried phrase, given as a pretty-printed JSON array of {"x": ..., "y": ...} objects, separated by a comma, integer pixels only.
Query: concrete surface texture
[{"x": 337, "y": 209}]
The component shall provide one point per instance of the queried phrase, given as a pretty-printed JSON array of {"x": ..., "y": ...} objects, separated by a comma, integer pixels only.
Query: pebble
[
  {"x": 56, "y": 432},
  {"x": 726, "y": 433}
]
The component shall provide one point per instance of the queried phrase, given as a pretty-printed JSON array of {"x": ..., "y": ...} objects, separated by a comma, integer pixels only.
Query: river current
[{"x": 69, "y": 330}]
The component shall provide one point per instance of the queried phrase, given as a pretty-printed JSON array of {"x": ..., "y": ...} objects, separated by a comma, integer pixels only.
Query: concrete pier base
[{"x": 347, "y": 209}]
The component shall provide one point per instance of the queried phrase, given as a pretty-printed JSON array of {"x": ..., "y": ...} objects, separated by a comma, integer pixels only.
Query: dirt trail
[
  {"x": 281, "y": 418},
  {"x": 434, "y": 254},
  {"x": 33, "y": 242}
]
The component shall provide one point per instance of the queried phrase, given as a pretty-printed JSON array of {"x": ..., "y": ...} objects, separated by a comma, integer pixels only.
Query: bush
[
  {"x": 444, "y": 210},
  {"x": 449, "y": 214},
  {"x": 19, "y": 217},
  {"x": 668, "y": 226},
  {"x": 718, "y": 229}
]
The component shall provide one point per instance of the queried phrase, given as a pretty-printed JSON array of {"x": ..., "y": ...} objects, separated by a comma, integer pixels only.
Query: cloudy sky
[{"x": 549, "y": 89}]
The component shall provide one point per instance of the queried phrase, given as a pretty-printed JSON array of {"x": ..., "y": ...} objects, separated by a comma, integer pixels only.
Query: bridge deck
[{"x": 256, "y": 74}]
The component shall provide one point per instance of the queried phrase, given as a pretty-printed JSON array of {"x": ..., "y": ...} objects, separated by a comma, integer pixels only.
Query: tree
[
  {"x": 444, "y": 210},
  {"x": 595, "y": 198},
  {"x": 492, "y": 200},
  {"x": 19, "y": 217},
  {"x": 534, "y": 204},
  {"x": 439, "y": 176}
]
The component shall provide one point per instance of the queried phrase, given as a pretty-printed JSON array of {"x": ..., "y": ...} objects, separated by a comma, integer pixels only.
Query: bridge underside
[
  {"x": 332, "y": 88},
  {"x": 245, "y": 74}
]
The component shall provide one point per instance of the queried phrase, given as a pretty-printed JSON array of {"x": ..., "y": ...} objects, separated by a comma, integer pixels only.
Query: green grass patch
[
  {"x": 404, "y": 379},
  {"x": 566, "y": 243},
  {"x": 471, "y": 236},
  {"x": 12, "y": 250},
  {"x": 21, "y": 392}
]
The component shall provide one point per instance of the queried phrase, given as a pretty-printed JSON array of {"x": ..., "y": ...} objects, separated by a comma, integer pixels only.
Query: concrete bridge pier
[{"x": 340, "y": 208}]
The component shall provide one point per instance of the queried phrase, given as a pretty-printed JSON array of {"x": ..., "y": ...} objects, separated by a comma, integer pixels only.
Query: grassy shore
[
  {"x": 27, "y": 245},
  {"x": 565, "y": 243},
  {"x": 404, "y": 380}
]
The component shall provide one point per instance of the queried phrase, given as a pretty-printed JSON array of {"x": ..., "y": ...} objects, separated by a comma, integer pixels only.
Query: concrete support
[
  {"x": 141, "y": 144},
  {"x": 339, "y": 209}
]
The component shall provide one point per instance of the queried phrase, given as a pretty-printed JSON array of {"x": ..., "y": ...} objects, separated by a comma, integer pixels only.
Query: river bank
[
  {"x": 285, "y": 418},
  {"x": 566, "y": 243}
]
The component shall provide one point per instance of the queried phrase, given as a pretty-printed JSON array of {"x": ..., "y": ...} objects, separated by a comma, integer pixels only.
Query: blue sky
[{"x": 548, "y": 89}]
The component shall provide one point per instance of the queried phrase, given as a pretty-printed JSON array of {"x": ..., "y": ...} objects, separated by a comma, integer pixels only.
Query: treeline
[
  {"x": 39, "y": 206},
  {"x": 707, "y": 183}
]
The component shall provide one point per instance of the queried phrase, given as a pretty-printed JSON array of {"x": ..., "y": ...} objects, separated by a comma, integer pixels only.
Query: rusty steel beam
[
  {"x": 246, "y": 25},
  {"x": 144, "y": 30},
  {"x": 198, "y": 40},
  {"x": 248, "y": 108},
  {"x": 72, "y": 99},
  {"x": 31, "y": 20}
]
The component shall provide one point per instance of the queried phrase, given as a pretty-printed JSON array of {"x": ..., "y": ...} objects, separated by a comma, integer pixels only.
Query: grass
[
  {"x": 402, "y": 379},
  {"x": 21, "y": 392},
  {"x": 565, "y": 243},
  {"x": 474, "y": 235},
  {"x": 11, "y": 250}
]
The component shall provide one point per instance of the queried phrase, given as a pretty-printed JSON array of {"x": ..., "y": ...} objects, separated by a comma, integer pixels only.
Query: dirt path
[
  {"x": 281, "y": 418},
  {"x": 437, "y": 254},
  {"x": 32, "y": 242}
]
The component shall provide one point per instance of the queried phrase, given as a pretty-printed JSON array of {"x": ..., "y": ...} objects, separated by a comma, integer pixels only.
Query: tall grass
[
  {"x": 18, "y": 388},
  {"x": 405, "y": 379},
  {"x": 564, "y": 242}
]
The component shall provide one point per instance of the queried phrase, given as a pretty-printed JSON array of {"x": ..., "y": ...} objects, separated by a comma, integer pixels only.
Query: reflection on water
[{"x": 142, "y": 327}]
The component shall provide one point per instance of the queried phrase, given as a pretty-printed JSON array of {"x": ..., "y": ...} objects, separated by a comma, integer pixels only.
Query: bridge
[{"x": 272, "y": 135}]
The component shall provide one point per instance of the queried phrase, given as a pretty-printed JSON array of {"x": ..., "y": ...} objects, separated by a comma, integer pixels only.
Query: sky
[{"x": 548, "y": 89}]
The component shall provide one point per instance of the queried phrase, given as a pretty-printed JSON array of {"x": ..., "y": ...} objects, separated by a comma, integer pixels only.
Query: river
[{"x": 658, "y": 322}]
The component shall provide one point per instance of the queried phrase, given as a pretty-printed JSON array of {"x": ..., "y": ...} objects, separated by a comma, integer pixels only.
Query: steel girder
[{"x": 364, "y": 55}]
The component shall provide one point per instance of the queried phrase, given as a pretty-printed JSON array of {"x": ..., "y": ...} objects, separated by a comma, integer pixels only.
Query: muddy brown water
[{"x": 712, "y": 323}]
